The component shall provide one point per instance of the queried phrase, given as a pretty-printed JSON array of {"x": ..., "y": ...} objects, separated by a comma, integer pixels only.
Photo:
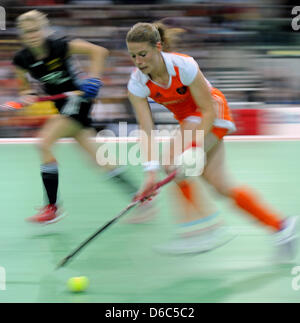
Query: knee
[
  {"x": 220, "y": 186},
  {"x": 44, "y": 145},
  {"x": 222, "y": 189}
]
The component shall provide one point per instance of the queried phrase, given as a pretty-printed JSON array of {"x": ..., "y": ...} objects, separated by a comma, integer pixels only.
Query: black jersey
[{"x": 55, "y": 72}]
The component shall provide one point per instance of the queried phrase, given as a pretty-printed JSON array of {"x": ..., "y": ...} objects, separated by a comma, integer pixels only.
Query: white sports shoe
[
  {"x": 197, "y": 244},
  {"x": 286, "y": 240}
]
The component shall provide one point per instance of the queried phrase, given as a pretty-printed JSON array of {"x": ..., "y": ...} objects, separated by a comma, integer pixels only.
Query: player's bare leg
[
  {"x": 216, "y": 174},
  {"x": 113, "y": 172},
  {"x": 56, "y": 128},
  {"x": 200, "y": 227}
]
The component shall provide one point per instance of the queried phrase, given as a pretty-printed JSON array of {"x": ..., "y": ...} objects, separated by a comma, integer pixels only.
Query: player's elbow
[
  {"x": 101, "y": 51},
  {"x": 209, "y": 114}
]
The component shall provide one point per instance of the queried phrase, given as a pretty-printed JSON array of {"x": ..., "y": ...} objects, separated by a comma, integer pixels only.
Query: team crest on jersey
[
  {"x": 158, "y": 95},
  {"x": 181, "y": 90}
]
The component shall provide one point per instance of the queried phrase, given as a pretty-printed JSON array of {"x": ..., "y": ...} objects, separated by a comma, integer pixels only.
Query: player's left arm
[
  {"x": 203, "y": 98},
  {"x": 96, "y": 53}
]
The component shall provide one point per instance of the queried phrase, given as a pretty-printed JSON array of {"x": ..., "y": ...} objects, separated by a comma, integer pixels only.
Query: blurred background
[{"x": 248, "y": 49}]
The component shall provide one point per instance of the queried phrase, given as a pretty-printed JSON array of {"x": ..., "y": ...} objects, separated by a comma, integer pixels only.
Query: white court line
[{"x": 5, "y": 141}]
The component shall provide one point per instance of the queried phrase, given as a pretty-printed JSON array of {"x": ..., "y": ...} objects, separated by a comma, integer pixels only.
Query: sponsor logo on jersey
[
  {"x": 36, "y": 64},
  {"x": 55, "y": 78},
  {"x": 54, "y": 63}
]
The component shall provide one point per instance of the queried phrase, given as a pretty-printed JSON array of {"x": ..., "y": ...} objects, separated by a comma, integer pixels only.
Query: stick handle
[
  {"x": 165, "y": 181},
  {"x": 95, "y": 234},
  {"x": 158, "y": 185},
  {"x": 124, "y": 211},
  {"x": 56, "y": 97},
  {"x": 14, "y": 105}
]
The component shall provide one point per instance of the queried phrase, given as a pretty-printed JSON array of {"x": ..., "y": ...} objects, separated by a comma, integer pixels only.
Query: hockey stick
[
  {"x": 123, "y": 212},
  {"x": 16, "y": 105},
  {"x": 56, "y": 97}
]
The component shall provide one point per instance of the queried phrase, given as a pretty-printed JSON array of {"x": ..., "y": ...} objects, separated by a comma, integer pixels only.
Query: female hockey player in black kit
[{"x": 48, "y": 60}]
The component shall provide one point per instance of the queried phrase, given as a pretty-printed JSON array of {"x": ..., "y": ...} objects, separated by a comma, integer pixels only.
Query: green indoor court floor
[{"x": 121, "y": 263}]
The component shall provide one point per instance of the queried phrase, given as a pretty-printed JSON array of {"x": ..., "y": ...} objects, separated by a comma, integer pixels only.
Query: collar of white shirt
[{"x": 169, "y": 64}]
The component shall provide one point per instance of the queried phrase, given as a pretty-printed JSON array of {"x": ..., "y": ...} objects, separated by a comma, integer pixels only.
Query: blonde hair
[
  {"x": 33, "y": 15},
  {"x": 154, "y": 33}
]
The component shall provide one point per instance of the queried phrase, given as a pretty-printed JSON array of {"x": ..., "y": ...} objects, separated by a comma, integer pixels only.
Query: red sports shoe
[{"x": 48, "y": 214}]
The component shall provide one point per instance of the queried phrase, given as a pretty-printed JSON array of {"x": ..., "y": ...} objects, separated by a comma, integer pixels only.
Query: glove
[{"x": 90, "y": 87}]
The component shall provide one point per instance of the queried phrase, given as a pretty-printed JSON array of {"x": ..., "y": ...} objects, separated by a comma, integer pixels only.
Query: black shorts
[{"x": 76, "y": 108}]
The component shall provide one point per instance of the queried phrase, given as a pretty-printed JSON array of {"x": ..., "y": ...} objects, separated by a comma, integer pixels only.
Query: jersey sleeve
[
  {"x": 188, "y": 71},
  {"x": 64, "y": 46},
  {"x": 60, "y": 45},
  {"x": 137, "y": 88}
]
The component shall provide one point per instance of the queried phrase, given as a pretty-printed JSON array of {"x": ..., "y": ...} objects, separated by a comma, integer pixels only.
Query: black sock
[{"x": 49, "y": 174}]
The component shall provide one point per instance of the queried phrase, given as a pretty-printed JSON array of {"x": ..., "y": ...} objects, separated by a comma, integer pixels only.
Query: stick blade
[
  {"x": 62, "y": 262},
  {"x": 11, "y": 106}
]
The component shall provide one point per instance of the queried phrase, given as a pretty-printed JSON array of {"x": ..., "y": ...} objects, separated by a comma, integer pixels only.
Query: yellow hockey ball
[{"x": 78, "y": 284}]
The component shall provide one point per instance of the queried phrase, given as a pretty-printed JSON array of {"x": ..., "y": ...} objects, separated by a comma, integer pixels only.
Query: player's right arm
[{"x": 144, "y": 118}]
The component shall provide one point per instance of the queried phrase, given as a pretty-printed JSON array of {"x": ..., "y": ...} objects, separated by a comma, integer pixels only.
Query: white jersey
[
  {"x": 187, "y": 66},
  {"x": 176, "y": 96}
]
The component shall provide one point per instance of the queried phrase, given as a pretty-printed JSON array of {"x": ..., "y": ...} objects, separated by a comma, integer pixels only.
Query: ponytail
[
  {"x": 169, "y": 36},
  {"x": 154, "y": 33}
]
